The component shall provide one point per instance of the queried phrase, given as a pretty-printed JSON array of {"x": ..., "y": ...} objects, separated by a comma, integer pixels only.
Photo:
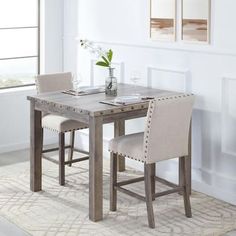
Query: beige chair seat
[
  {"x": 130, "y": 146},
  {"x": 61, "y": 124}
]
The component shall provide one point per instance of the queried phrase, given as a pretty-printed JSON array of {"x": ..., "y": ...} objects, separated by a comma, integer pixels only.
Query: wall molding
[
  {"x": 180, "y": 46},
  {"x": 27, "y": 90},
  {"x": 185, "y": 72},
  {"x": 225, "y": 111}
]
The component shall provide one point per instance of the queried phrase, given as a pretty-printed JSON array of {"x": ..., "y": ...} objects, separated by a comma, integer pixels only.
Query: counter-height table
[{"x": 90, "y": 110}]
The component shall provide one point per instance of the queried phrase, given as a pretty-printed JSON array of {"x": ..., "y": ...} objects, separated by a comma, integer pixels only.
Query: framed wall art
[
  {"x": 163, "y": 20},
  {"x": 196, "y": 20}
]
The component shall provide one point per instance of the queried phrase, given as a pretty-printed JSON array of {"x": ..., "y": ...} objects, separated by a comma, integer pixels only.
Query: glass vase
[{"x": 111, "y": 83}]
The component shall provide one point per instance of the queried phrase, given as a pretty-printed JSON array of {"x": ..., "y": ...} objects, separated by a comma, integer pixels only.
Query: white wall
[
  {"x": 52, "y": 35},
  {"x": 14, "y": 125},
  {"x": 123, "y": 26}
]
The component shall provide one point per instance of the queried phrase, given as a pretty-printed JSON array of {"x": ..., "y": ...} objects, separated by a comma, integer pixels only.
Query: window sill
[{"x": 18, "y": 91}]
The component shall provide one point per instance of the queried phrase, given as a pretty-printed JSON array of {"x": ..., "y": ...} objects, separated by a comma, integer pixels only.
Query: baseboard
[
  {"x": 219, "y": 192},
  {"x": 23, "y": 145},
  {"x": 215, "y": 192}
]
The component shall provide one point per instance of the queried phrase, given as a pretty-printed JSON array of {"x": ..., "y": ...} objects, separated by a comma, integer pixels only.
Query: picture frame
[
  {"x": 163, "y": 20},
  {"x": 196, "y": 21}
]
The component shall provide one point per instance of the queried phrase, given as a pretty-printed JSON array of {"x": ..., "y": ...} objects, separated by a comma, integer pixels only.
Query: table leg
[
  {"x": 119, "y": 129},
  {"x": 36, "y": 133},
  {"x": 188, "y": 164},
  {"x": 95, "y": 169}
]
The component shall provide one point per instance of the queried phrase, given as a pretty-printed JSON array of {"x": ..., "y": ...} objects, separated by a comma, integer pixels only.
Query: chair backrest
[
  {"x": 53, "y": 82},
  {"x": 167, "y": 130}
]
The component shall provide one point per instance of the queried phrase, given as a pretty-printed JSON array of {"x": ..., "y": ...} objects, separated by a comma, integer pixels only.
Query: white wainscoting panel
[
  {"x": 167, "y": 78},
  {"x": 228, "y": 115}
]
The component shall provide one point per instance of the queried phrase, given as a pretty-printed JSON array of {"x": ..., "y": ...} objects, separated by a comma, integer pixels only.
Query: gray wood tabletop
[
  {"x": 89, "y": 110},
  {"x": 89, "y": 105}
]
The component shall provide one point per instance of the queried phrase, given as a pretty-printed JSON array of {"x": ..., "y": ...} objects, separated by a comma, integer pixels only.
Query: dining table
[{"x": 94, "y": 110}]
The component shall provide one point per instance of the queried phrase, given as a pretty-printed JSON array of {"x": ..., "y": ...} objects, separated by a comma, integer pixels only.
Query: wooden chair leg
[
  {"x": 153, "y": 174},
  {"x": 72, "y": 143},
  {"x": 185, "y": 171},
  {"x": 62, "y": 159},
  {"x": 113, "y": 181},
  {"x": 148, "y": 191}
]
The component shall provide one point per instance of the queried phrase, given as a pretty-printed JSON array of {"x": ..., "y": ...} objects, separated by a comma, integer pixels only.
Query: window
[{"x": 19, "y": 42}]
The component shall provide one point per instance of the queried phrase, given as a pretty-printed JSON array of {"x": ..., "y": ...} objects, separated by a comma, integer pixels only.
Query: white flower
[{"x": 104, "y": 56}]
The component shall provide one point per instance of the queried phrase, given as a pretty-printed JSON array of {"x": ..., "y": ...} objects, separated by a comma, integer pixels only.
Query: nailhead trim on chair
[
  {"x": 123, "y": 155},
  {"x": 45, "y": 127},
  {"x": 147, "y": 132},
  {"x": 149, "y": 115}
]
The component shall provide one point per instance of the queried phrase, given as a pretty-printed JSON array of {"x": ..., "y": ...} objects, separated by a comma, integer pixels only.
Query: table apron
[
  {"x": 124, "y": 116},
  {"x": 63, "y": 112},
  {"x": 69, "y": 113}
]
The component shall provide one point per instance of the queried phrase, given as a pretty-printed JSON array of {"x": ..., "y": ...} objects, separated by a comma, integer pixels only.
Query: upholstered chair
[
  {"x": 51, "y": 83},
  {"x": 166, "y": 136}
]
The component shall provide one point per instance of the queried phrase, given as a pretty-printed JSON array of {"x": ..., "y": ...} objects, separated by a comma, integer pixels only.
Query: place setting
[
  {"x": 83, "y": 90},
  {"x": 127, "y": 100}
]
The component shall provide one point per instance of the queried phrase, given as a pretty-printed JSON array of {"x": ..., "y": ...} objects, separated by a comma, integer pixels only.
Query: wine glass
[
  {"x": 135, "y": 77},
  {"x": 77, "y": 79}
]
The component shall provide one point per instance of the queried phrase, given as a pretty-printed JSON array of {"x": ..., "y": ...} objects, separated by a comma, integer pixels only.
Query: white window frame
[{"x": 27, "y": 56}]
